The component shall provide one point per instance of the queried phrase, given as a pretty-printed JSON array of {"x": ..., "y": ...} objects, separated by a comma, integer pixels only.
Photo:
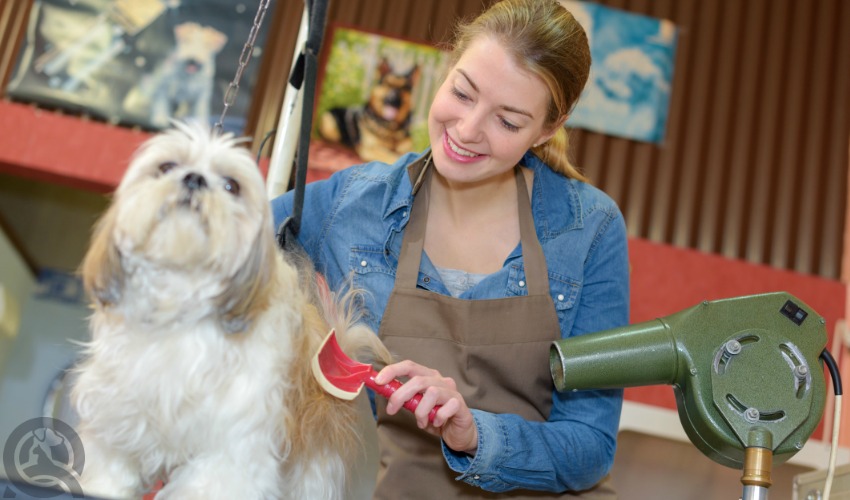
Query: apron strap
[
  {"x": 413, "y": 241},
  {"x": 536, "y": 274}
]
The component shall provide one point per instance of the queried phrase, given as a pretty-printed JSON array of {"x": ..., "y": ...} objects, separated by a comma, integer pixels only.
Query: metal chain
[{"x": 244, "y": 58}]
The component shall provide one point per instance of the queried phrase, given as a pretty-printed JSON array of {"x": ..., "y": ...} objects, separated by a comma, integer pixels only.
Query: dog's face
[
  {"x": 392, "y": 96},
  {"x": 191, "y": 204}
]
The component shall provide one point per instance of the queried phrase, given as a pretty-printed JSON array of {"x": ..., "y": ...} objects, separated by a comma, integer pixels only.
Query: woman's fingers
[{"x": 453, "y": 420}]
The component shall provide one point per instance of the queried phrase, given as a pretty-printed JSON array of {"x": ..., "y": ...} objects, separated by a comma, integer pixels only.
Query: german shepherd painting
[{"x": 380, "y": 128}]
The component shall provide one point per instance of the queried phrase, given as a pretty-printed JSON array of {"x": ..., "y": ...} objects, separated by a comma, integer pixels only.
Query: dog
[
  {"x": 197, "y": 372},
  {"x": 380, "y": 128},
  {"x": 182, "y": 85}
]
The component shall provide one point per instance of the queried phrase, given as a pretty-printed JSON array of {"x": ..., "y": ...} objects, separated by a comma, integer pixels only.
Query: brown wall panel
[
  {"x": 744, "y": 120},
  {"x": 835, "y": 137}
]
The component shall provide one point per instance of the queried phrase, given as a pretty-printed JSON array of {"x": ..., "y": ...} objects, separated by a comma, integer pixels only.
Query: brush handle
[{"x": 387, "y": 390}]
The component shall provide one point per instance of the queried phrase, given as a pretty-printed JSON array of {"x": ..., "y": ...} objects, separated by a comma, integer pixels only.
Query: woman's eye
[
  {"x": 460, "y": 95},
  {"x": 509, "y": 126},
  {"x": 231, "y": 186},
  {"x": 165, "y": 167}
]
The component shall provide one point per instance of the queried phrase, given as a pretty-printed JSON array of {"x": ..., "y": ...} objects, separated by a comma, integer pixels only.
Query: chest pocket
[
  {"x": 371, "y": 271},
  {"x": 564, "y": 291}
]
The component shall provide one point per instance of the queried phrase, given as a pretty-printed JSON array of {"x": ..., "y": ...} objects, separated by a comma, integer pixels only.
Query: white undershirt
[{"x": 458, "y": 281}]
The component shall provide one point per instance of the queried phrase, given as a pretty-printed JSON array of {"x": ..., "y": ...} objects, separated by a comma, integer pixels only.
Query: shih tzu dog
[{"x": 198, "y": 369}]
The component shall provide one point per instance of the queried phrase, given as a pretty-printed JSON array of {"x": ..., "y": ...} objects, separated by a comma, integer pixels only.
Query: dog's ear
[
  {"x": 413, "y": 75},
  {"x": 384, "y": 68},
  {"x": 214, "y": 39},
  {"x": 102, "y": 271},
  {"x": 248, "y": 293}
]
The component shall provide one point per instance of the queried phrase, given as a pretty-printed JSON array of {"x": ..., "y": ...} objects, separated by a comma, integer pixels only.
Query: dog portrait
[
  {"x": 379, "y": 129},
  {"x": 197, "y": 372},
  {"x": 182, "y": 85},
  {"x": 138, "y": 62},
  {"x": 373, "y": 100}
]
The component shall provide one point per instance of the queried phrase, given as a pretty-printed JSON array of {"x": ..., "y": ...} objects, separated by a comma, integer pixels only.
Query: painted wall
[
  {"x": 42, "y": 350},
  {"x": 16, "y": 284}
]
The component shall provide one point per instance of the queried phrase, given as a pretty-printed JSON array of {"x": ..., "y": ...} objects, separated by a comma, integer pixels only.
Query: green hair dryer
[{"x": 746, "y": 373}]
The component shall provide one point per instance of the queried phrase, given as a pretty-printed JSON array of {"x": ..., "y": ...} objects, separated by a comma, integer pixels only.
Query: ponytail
[{"x": 555, "y": 154}]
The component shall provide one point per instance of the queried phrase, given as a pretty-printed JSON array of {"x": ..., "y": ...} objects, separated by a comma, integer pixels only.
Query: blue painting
[{"x": 628, "y": 92}]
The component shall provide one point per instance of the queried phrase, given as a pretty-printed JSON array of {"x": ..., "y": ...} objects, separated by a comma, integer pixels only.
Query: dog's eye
[
  {"x": 231, "y": 186},
  {"x": 165, "y": 167}
]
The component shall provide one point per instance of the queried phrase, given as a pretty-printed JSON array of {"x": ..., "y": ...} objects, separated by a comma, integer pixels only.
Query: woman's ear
[{"x": 550, "y": 132}]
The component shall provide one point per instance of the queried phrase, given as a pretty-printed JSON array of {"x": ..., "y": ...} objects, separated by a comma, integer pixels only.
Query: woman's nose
[{"x": 469, "y": 127}]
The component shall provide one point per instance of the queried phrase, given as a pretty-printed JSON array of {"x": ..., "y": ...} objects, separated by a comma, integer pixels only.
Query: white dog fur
[{"x": 197, "y": 372}]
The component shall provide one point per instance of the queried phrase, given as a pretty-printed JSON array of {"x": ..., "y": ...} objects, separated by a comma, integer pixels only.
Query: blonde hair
[{"x": 545, "y": 39}]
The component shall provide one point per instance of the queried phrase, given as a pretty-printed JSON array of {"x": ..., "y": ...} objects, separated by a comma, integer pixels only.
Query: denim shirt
[{"x": 352, "y": 226}]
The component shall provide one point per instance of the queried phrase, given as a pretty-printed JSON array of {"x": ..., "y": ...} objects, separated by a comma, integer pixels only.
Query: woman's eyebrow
[{"x": 506, "y": 108}]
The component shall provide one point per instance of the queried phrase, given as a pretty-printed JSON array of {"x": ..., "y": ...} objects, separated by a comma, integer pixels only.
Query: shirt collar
[
  {"x": 555, "y": 198},
  {"x": 407, "y": 183}
]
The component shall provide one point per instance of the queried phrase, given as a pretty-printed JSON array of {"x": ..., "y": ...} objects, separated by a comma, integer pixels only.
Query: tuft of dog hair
[{"x": 197, "y": 372}]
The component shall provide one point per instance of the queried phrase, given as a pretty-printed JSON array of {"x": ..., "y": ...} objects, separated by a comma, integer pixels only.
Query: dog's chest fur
[{"x": 188, "y": 389}]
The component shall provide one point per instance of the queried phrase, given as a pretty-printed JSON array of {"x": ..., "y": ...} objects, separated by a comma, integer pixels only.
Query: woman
[{"x": 476, "y": 255}]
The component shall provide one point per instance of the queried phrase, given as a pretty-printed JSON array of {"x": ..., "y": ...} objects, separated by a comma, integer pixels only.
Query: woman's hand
[{"x": 453, "y": 421}]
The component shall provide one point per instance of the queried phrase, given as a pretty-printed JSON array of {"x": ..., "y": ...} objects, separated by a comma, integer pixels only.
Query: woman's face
[{"x": 486, "y": 115}]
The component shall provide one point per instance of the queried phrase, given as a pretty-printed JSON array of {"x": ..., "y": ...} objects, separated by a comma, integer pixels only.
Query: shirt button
[
  {"x": 521, "y": 283},
  {"x": 476, "y": 477},
  {"x": 426, "y": 279},
  {"x": 362, "y": 263},
  {"x": 561, "y": 297},
  {"x": 404, "y": 214}
]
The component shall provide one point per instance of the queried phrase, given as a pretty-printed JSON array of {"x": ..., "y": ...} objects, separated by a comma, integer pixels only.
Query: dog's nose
[
  {"x": 194, "y": 182},
  {"x": 393, "y": 99}
]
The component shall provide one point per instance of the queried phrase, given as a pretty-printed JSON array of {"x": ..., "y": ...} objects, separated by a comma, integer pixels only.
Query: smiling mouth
[{"x": 458, "y": 150}]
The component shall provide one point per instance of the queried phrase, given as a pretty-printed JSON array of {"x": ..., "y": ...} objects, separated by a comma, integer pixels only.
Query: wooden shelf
[
  {"x": 77, "y": 152},
  {"x": 70, "y": 150}
]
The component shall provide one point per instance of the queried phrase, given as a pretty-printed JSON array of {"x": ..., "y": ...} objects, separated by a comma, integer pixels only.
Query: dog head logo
[{"x": 44, "y": 456}]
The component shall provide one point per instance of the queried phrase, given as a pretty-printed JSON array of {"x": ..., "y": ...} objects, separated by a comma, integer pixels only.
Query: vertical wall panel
[
  {"x": 745, "y": 116},
  {"x": 785, "y": 199},
  {"x": 817, "y": 112},
  {"x": 720, "y": 129},
  {"x": 697, "y": 126},
  {"x": 836, "y": 159},
  {"x": 764, "y": 156},
  {"x": 12, "y": 16},
  {"x": 668, "y": 175}
]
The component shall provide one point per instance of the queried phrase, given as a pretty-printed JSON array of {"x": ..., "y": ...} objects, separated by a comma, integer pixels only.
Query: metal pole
[
  {"x": 289, "y": 125},
  {"x": 754, "y": 493}
]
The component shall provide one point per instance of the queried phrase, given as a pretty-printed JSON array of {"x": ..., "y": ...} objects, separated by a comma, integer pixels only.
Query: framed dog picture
[
  {"x": 373, "y": 99},
  {"x": 138, "y": 62}
]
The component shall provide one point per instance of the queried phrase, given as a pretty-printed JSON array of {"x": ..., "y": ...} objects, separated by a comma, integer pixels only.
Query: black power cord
[{"x": 833, "y": 371}]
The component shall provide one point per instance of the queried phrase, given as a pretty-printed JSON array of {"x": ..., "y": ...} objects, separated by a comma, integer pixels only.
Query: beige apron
[{"x": 496, "y": 350}]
